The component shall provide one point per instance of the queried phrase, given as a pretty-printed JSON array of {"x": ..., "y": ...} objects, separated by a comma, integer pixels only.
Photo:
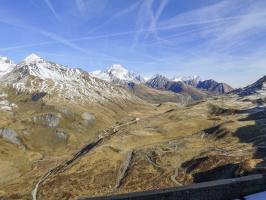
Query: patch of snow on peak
[
  {"x": 186, "y": 78},
  {"x": 5, "y": 59},
  {"x": 262, "y": 92},
  {"x": 264, "y": 86},
  {"x": 6, "y": 65},
  {"x": 101, "y": 75},
  {"x": 146, "y": 78},
  {"x": 117, "y": 73},
  {"x": 38, "y": 67},
  {"x": 117, "y": 69},
  {"x": 32, "y": 58}
]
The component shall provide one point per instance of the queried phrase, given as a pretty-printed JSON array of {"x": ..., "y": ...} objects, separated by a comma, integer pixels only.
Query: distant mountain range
[
  {"x": 162, "y": 83},
  {"x": 111, "y": 130},
  {"x": 191, "y": 86},
  {"x": 194, "y": 87},
  {"x": 116, "y": 82}
]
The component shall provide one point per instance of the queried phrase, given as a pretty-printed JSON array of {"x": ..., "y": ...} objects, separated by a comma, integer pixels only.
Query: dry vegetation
[{"x": 170, "y": 145}]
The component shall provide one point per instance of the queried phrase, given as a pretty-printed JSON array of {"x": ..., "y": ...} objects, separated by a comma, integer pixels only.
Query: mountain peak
[
  {"x": 189, "y": 80},
  {"x": 158, "y": 81},
  {"x": 4, "y": 59},
  {"x": 214, "y": 87},
  {"x": 159, "y": 76},
  {"x": 32, "y": 58},
  {"x": 118, "y": 70},
  {"x": 117, "y": 67},
  {"x": 117, "y": 73},
  {"x": 6, "y": 65}
]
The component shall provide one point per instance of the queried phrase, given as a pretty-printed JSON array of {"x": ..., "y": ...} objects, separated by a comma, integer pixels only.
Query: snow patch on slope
[
  {"x": 32, "y": 58},
  {"x": 6, "y": 65}
]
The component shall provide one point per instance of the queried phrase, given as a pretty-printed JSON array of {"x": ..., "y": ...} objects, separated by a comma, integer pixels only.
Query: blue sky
[{"x": 223, "y": 40}]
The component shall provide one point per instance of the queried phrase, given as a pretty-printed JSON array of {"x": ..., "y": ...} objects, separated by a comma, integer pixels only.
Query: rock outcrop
[
  {"x": 11, "y": 136},
  {"x": 50, "y": 119}
]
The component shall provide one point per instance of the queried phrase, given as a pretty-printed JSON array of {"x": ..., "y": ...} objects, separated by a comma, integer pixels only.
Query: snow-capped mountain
[
  {"x": 35, "y": 74},
  {"x": 6, "y": 65},
  {"x": 116, "y": 73},
  {"x": 190, "y": 80}
]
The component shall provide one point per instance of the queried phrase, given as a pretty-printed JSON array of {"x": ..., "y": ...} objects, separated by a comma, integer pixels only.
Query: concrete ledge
[{"x": 214, "y": 190}]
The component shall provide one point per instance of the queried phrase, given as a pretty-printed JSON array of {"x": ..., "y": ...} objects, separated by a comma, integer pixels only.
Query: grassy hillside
[{"x": 169, "y": 145}]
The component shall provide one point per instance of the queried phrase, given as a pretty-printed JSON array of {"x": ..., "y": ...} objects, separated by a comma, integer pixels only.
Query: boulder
[
  {"x": 48, "y": 119},
  {"x": 88, "y": 117},
  {"x": 11, "y": 136},
  {"x": 61, "y": 134}
]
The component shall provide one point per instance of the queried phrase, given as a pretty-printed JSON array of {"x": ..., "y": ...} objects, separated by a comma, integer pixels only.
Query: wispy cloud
[
  {"x": 156, "y": 16},
  {"x": 50, "y": 6},
  {"x": 223, "y": 37},
  {"x": 217, "y": 38},
  {"x": 119, "y": 14},
  {"x": 55, "y": 38},
  {"x": 146, "y": 21},
  {"x": 90, "y": 8}
]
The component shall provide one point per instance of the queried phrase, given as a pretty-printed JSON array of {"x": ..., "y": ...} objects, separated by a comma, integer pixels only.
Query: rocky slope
[
  {"x": 162, "y": 83},
  {"x": 214, "y": 87},
  {"x": 257, "y": 88},
  {"x": 152, "y": 95},
  {"x": 210, "y": 85}
]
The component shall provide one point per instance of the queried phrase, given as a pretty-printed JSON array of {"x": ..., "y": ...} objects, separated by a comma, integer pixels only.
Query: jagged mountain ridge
[
  {"x": 158, "y": 82},
  {"x": 162, "y": 83},
  {"x": 119, "y": 75},
  {"x": 35, "y": 74},
  {"x": 208, "y": 85},
  {"x": 214, "y": 87},
  {"x": 153, "y": 95},
  {"x": 258, "y": 87}
]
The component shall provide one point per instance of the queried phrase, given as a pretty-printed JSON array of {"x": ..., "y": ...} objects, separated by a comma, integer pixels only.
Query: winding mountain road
[{"x": 83, "y": 151}]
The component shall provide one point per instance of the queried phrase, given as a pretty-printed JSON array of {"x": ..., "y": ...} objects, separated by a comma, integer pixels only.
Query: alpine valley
[{"x": 66, "y": 133}]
